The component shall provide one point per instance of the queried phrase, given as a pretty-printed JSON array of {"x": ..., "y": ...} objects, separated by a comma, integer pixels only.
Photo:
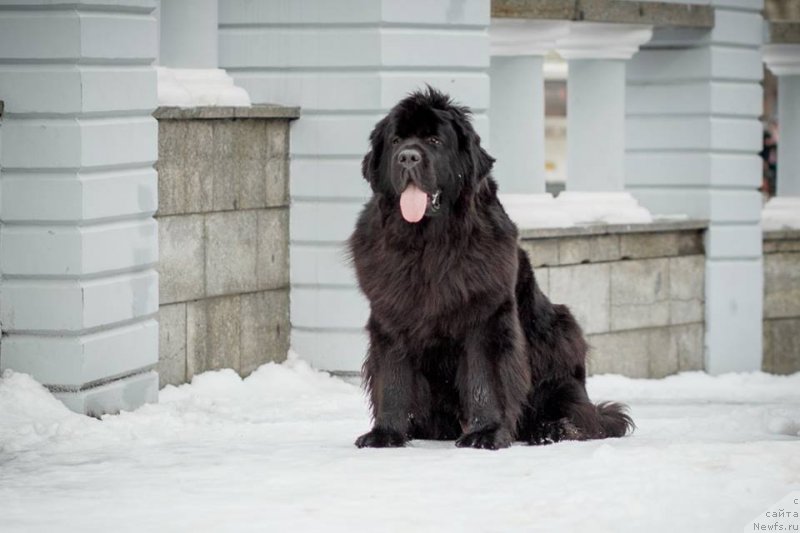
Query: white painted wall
[
  {"x": 78, "y": 244},
  {"x": 693, "y": 138},
  {"x": 345, "y": 64},
  {"x": 188, "y": 36}
]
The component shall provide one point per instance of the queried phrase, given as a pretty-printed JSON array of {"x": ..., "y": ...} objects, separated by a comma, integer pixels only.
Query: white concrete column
[
  {"x": 188, "y": 75},
  {"x": 517, "y": 112},
  {"x": 596, "y": 125},
  {"x": 597, "y": 54},
  {"x": 346, "y": 66},
  {"x": 784, "y": 209},
  {"x": 789, "y": 123},
  {"x": 189, "y": 34},
  {"x": 516, "y": 115},
  {"x": 78, "y": 243},
  {"x": 693, "y": 136}
]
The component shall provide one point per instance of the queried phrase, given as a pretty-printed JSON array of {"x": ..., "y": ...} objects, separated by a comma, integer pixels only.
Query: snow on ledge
[
  {"x": 781, "y": 212},
  {"x": 573, "y": 208},
  {"x": 608, "y": 207},
  {"x": 535, "y": 211},
  {"x": 198, "y": 87}
]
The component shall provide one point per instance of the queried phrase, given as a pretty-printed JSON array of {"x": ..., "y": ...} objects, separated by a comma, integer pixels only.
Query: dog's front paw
[
  {"x": 486, "y": 439},
  {"x": 381, "y": 438},
  {"x": 555, "y": 431}
]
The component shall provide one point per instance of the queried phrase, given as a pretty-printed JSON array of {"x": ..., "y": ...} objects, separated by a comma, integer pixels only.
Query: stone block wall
[
  {"x": 636, "y": 290},
  {"x": 223, "y": 219},
  {"x": 782, "y": 301}
]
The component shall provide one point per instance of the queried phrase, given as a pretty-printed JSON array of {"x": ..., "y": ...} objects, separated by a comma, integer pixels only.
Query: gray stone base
[
  {"x": 647, "y": 353},
  {"x": 124, "y": 394},
  {"x": 224, "y": 239},
  {"x": 636, "y": 290},
  {"x": 241, "y": 331},
  {"x": 782, "y": 345},
  {"x": 781, "y": 302}
]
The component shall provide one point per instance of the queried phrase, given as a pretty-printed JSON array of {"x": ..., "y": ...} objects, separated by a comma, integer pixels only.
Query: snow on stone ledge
[
  {"x": 781, "y": 212},
  {"x": 572, "y": 208},
  {"x": 535, "y": 211},
  {"x": 198, "y": 87}
]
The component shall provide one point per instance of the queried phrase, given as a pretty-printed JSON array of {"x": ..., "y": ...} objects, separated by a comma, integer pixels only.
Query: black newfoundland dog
[{"x": 463, "y": 344}]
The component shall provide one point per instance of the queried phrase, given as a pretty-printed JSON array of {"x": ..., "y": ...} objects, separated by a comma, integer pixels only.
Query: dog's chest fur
[{"x": 421, "y": 279}]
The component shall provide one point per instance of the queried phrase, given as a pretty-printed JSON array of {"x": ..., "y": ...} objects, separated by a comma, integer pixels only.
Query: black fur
[{"x": 463, "y": 344}]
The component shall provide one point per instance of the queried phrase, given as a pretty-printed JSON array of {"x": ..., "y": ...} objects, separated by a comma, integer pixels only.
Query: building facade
[{"x": 662, "y": 120}]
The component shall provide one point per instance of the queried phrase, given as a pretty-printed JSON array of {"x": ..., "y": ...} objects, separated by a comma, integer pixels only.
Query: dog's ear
[
  {"x": 367, "y": 171},
  {"x": 370, "y": 165},
  {"x": 470, "y": 142},
  {"x": 482, "y": 162}
]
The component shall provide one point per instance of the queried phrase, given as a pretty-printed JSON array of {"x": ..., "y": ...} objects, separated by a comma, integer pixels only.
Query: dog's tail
[{"x": 614, "y": 419}]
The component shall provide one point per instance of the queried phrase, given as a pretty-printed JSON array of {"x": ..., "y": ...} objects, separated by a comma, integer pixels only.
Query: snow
[
  {"x": 617, "y": 207},
  {"x": 274, "y": 452},
  {"x": 781, "y": 213},
  {"x": 536, "y": 211},
  {"x": 198, "y": 87},
  {"x": 571, "y": 208}
]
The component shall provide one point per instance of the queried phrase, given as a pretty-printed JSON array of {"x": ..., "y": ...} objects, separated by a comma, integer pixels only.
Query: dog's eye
[
  {"x": 396, "y": 140},
  {"x": 434, "y": 140}
]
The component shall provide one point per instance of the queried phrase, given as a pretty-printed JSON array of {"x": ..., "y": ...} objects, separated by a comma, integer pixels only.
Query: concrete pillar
[
  {"x": 517, "y": 110},
  {"x": 783, "y": 211},
  {"x": 188, "y": 30},
  {"x": 516, "y": 114},
  {"x": 345, "y": 65},
  {"x": 78, "y": 243},
  {"x": 693, "y": 136},
  {"x": 188, "y": 55},
  {"x": 596, "y": 125},
  {"x": 597, "y": 54},
  {"x": 789, "y": 122},
  {"x": 788, "y": 183}
]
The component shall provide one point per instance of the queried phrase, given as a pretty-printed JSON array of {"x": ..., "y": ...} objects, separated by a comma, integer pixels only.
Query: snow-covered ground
[{"x": 274, "y": 452}]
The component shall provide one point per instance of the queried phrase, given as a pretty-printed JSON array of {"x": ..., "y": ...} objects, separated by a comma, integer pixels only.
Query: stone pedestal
[
  {"x": 224, "y": 239},
  {"x": 782, "y": 301}
]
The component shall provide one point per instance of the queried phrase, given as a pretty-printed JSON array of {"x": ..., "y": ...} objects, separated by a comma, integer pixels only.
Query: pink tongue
[{"x": 413, "y": 203}]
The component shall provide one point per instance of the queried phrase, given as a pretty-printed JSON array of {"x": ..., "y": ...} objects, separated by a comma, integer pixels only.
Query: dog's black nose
[{"x": 409, "y": 158}]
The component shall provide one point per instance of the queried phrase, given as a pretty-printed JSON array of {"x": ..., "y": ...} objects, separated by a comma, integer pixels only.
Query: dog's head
[{"x": 425, "y": 155}]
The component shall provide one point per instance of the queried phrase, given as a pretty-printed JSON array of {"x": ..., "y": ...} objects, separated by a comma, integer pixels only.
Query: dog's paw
[
  {"x": 486, "y": 439},
  {"x": 381, "y": 438},
  {"x": 555, "y": 431}
]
